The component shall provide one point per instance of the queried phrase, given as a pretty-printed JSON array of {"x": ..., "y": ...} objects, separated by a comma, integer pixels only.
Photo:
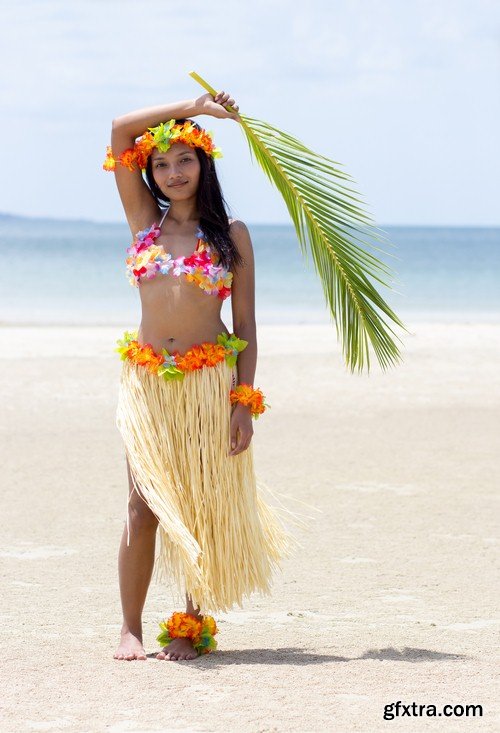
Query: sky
[{"x": 405, "y": 95}]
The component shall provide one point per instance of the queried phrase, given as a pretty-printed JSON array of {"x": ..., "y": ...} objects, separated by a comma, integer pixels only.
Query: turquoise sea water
[{"x": 73, "y": 272}]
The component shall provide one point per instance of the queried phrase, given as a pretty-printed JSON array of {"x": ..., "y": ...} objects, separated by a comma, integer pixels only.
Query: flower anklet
[{"x": 200, "y": 631}]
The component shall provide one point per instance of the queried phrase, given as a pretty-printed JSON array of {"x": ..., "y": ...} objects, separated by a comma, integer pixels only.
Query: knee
[{"x": 141, "y": 517}]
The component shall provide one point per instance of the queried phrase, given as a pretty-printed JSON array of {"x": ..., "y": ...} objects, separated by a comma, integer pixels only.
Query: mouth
[{"x": 178, "y": 185}]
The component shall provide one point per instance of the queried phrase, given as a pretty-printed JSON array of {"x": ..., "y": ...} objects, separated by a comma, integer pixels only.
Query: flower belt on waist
[{"x": 174, "y": 366}]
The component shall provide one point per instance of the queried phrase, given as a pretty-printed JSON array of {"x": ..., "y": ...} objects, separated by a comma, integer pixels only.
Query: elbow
[
  {"x": 117, "y": 122},
  {"x": 247, "y": 325}
]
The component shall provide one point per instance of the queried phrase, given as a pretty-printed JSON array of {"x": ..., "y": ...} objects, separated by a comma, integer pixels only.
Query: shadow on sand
[{"x": 294, "y": 655}]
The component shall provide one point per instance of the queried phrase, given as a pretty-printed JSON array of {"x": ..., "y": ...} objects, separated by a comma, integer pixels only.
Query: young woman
[{"x": 187, "y": 400}]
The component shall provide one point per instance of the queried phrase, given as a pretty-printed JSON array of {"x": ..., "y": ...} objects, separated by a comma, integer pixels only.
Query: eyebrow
[{"x": 160, "y": 157}]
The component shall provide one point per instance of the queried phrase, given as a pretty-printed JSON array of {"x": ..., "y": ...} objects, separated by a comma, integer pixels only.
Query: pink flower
[
  {"x": 151, "y": 268},
  {"x": 178, "y": 266}
]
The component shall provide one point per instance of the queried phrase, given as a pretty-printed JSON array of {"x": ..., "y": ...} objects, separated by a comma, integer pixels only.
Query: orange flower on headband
[
  {"x": 143, "y": 149},
  {"x": 162, "y": 137}
]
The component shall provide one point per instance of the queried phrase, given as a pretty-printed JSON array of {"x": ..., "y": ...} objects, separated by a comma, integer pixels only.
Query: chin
[{"x": 179, "y": 191}]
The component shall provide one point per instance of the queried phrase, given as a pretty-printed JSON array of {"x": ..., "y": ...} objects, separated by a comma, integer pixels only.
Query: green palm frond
[{"x": 327, "y": 216}]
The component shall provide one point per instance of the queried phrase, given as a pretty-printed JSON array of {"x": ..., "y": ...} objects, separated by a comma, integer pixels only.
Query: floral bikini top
[{"x": 147, "y": 259}]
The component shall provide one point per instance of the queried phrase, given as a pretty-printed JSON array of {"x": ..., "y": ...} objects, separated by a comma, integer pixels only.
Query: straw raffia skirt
[{"x": 220, "y": 540}]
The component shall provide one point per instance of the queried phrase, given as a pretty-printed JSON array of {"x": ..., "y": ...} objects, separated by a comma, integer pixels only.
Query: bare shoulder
[
  {"x": 241, "y": 236},
  {"x": 237, "y": 224}
]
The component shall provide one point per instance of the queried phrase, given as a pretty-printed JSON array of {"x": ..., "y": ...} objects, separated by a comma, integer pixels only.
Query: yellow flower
[
  {"x": 109, "y": 163},
  {"x": 210, "y": 625}
]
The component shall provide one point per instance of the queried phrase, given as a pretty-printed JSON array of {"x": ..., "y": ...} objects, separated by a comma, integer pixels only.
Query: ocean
[{"x": 73, "y": 272}]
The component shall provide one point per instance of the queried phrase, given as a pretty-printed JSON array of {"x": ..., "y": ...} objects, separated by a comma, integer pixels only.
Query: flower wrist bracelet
[{"x": 247, "y": 395}]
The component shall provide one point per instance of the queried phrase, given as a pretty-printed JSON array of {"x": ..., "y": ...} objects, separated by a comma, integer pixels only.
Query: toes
[{"x": 176, "y": 656}]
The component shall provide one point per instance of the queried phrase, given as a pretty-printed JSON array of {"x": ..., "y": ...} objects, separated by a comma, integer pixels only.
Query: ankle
[{"x": 134, "y": 629}]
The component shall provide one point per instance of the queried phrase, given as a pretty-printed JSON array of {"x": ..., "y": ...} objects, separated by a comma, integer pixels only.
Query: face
[{"x": 179, "y": 164}]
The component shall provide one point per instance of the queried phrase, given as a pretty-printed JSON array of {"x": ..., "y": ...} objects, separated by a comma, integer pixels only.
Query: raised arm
[
  {"x": 138, "y": 202},
  {"x": 133, "y": 124}
]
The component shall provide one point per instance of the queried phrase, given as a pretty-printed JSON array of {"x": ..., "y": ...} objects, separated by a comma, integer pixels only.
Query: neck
[{"x": 182, "y": 212}]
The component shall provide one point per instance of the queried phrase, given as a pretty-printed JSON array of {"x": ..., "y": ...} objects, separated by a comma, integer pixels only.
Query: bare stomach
[{"x": 178, "y": 314}]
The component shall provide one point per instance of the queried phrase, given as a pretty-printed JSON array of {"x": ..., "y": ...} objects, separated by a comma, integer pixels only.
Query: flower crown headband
[{"x": 162, "y": 137}]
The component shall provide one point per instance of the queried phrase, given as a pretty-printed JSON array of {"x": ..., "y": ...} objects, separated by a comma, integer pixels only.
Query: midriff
[{"x": 176, "y": 314}]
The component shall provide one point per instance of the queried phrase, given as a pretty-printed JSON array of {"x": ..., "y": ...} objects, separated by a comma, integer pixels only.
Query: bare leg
[
  {"x": 135, "y": 568},
  {"x": 191, "y": 609},
  {"x": 181, "y": 648}
]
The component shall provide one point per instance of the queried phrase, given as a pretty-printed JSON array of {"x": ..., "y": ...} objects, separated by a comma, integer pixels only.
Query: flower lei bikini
[{"x": 146, "y": 260}]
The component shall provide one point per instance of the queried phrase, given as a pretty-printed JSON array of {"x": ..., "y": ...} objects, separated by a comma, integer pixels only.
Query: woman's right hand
[{"x": 216, "y": 106}]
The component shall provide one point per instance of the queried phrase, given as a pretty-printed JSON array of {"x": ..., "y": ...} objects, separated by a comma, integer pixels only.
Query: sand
[{"x": 391, "y": 598}]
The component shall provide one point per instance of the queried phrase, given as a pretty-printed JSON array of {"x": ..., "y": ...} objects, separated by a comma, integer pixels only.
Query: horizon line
[{"x": 8, "y": 215}]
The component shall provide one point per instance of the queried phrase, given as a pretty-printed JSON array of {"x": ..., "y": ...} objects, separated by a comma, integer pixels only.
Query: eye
[
  {"x": 186, "y": 159},
  {"x": 159, "y": 164}
]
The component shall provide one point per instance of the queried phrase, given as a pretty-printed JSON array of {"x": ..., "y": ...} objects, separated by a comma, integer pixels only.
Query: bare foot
[
  {"x": 180, "y": 648},
  {"x": 130, "y": 647}
]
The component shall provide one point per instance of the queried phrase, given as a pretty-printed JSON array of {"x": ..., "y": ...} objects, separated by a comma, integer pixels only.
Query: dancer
[{"x": 187, "y": 399}]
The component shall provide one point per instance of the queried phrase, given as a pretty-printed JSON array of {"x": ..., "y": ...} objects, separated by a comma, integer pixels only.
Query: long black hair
[{"x": 214, "y": 221}]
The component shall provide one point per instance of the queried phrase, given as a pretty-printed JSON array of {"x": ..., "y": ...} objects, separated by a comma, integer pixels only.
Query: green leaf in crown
[{"x": 162, "y": 135}]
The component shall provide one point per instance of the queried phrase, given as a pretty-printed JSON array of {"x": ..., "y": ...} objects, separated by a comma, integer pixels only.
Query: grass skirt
[{"x": 220, "y": 539}]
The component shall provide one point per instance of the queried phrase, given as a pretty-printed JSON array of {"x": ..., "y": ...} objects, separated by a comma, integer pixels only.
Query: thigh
[{"x": 136, "y": 501}]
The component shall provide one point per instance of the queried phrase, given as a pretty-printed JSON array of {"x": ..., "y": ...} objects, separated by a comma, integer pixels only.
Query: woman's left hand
[
  {"x": 216, "y": 106},
  {"x": 241, "y": 429}
]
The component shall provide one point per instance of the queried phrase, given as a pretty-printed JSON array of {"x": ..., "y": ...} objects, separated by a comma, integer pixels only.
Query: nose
[
  {"x": 175, "y": 168},
  {"x": 175, "y": 177}
]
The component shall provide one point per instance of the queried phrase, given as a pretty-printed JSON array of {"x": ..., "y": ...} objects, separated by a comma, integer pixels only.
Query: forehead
[{"x": 174, "y": 150}]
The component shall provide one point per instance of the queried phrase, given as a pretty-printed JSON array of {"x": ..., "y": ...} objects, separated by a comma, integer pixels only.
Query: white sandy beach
[{"x": 392, "y": 597}]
